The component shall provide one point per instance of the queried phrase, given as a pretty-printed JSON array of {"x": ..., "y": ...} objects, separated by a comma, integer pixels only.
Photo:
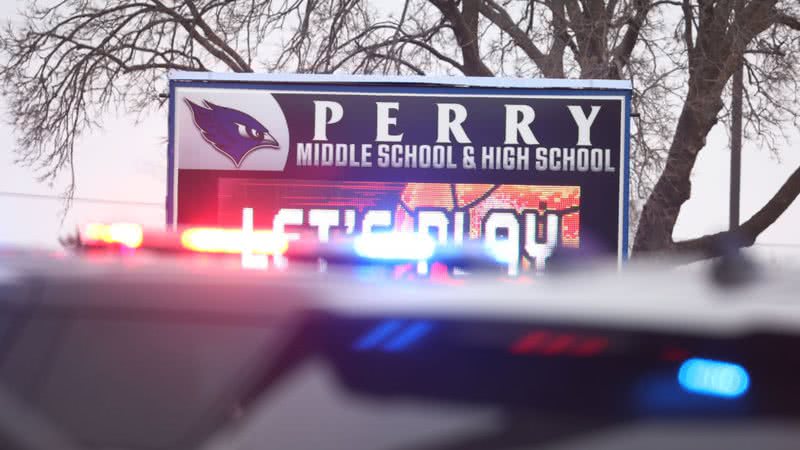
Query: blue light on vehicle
[
  {"x": 408, "y": 336},
  {"x": 393, "y": 335},
  {"x": 395, "y": 246},
  {"x": 716, "y": 378},
  {"x": 503, "y": 251},
  {"x": 375, "y": 335}
]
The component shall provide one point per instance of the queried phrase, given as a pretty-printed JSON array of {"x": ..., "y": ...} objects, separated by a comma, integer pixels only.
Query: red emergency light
[
  {"x": 192, "y": 239},
  {"x": 128, "y": 235}
]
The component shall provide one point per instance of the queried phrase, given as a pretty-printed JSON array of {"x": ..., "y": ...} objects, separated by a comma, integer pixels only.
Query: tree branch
[
  {"x": 622, "y": 53},
  {"x": 688, "y": 25},
  {"x": 466, "y": 34},
  {"x": 205, "y": 42},
  {"x": 500, "y": 17},
  {"x": 214, "y": 37},
  {"x": 561, "y": 39},
  {"x": 714, "y": 244},
  {"x": 789, "y": 21}
]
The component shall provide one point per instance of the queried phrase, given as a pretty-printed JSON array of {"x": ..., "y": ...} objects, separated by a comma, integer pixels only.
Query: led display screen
[{"x": 542, "y": 169}]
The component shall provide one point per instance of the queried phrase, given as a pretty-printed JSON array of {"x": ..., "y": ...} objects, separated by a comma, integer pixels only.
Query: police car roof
[
  {"x": 146, "y": 282},
  {"x": 640, "y": 297}
]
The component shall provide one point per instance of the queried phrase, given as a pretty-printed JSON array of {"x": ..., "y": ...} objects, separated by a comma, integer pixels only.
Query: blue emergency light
[
  {"x": 395, "y": 246},
  {"x": 715, "y": 378}
]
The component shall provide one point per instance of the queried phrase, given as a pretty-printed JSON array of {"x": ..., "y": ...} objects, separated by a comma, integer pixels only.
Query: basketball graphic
[{"x": 478, "y": 199}]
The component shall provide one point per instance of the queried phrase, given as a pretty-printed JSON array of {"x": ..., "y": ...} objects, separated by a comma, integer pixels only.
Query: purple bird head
[{"x": 232, "y": 132}]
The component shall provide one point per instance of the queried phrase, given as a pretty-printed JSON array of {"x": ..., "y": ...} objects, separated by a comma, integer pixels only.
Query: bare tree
[
  {"x": 67, "y": 62},
  {"x": 70, "y": 61}
]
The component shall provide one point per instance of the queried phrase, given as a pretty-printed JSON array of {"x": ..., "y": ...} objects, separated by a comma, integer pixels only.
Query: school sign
[{"x": 542, "y": 164}]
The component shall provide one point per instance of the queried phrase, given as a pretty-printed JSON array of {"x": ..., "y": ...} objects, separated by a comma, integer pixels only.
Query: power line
[{"x": 78, "y": 199}]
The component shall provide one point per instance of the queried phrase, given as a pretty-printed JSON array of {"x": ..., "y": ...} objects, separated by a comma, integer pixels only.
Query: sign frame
[{"x": 405, "y": 86}]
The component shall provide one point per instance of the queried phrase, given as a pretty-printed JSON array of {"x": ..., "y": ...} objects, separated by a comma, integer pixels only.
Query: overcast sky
[{"x": 126, "y": 162}]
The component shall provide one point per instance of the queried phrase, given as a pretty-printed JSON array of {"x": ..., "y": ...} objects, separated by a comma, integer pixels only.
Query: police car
[{"x": 155, "y": 341}]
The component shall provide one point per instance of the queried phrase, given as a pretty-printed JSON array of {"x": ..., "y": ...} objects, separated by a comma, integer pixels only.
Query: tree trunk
[{"x": 673, "y": 188}]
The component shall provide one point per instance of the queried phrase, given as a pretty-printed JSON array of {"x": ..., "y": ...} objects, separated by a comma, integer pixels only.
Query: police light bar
[
  {"x": 233, "y": 241},
  {"x": 128, "y": 235},
  {"x": 386, "y": 248},
  {"x": 395, "y": 246},
  {"x": 190, "y": 240}
]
